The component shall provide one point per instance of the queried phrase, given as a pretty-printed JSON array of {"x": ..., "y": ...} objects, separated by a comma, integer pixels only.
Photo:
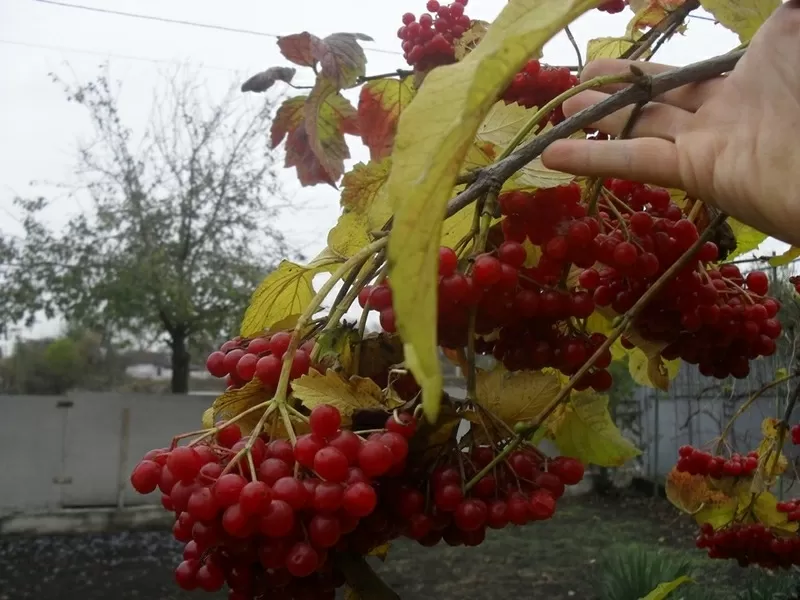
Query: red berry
[
  {"x": 331, "y": 464},
  {"x": 403, "y": 423},
  {"x": 145, "y": 476},
  {"x": 278, "y": 521},
  {"x": 359, "y": 499},
  {"x": 228, "y": 435},
  {"x": 486, "y": 271},
  {"x": 471, "y": 515},
  {"x": 306, "y": 449},
  {"x": 375, "y": 459},
  {"x": 302, "y": 560},
  {"x": 448, "y": 261},
  {"x": 255, "y": 498},
  {"x": 568, "y": 470},
  {"x": 542, "y": 505},
  {"x": 228, "y": 488},
  {"x": 215, "y": 364},
  {"x": 325, "y": 420},
  {"x": 184, "y": 463}
]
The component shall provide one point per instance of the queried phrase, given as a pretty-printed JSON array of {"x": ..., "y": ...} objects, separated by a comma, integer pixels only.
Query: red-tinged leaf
[
  {"x": 300, "y": 155},
  {"x": 379, "y": 107},
  {"x": 289, "y": 117},
  {"x": 298, "y": 48},
  {"x": 329, "y": 115},
  {"x": 341, "y": 57},
  {"x": 261, "y": 82}
]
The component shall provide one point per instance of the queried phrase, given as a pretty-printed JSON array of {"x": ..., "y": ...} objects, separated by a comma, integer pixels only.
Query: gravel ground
[{"x": 552, "y": 560}]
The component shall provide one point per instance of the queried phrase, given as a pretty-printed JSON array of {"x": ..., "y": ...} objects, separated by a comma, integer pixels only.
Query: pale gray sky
[{"x": 39, "y": 129}]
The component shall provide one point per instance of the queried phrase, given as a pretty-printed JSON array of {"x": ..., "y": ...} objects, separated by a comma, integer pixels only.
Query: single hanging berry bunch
[
  {"x": 428, "y": 42},
  {"x": 750, "y": 544},
  {"x": 268, "y": 526},
  {"x": 697, "y": 462}
]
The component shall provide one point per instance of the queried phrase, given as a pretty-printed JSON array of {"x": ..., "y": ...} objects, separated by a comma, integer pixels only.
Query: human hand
[{"x": 730, "y": 141}]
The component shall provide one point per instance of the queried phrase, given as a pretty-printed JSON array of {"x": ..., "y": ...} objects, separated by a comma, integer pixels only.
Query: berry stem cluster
[{"x": 525, "y": 430}]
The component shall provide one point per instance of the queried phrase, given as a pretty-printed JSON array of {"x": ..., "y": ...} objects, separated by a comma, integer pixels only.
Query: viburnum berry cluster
[
  {"x": 531, "y": 317},
  {"x": 537, "y": 84},
  {"x": 698, "y": 462},
  {"x": 268, "y": 525},
  {"x": 271, "y": 524},
  {"x": 613, "y": 6},
  {"x": 750, "y": 544},
  {"x": 428, "y": 42},
  {"x": 240, "y": 360}
]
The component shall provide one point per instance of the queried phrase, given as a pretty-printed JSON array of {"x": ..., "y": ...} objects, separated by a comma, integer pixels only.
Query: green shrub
[{"x": 631, "y": 572}]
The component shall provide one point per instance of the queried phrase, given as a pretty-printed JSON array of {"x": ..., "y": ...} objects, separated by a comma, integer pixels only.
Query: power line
[
  {"x": 120, "y": 13},
  {"x": 240, "y": 72}
]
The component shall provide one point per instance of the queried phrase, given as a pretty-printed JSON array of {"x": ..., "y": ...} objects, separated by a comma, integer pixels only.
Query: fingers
[
  {"x": 655, "y": 120},
  {"x": 647, "y": 160},
  {"x": 688, "y": 97}
]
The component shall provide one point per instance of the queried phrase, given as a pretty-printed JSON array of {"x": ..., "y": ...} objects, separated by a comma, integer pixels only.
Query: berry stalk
[{"x": 313, "y": 307}]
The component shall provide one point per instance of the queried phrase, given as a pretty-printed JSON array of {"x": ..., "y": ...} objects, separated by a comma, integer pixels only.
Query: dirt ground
[{"x": 553, "y": 560}]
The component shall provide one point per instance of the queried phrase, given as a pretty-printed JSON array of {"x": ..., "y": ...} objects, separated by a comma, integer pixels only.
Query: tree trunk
[{"x": 180, "y": 362}]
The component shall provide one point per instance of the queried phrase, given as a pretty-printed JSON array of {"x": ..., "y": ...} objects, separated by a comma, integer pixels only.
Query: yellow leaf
[
  {"x": 208, "y": 418},
  {"x": 610, "y": 47},
  {"x": 663, "y": 590},
  {"x": 350, "y": 234},
  {"x": 785, "y": 258},
  {"x": 652, "y": 371},
  {"x": 747, "y": 238},
  {"x": 234, "y": 402},
  {"x": 765, "y": 509},
  {"x": 691, "y": 494},
  {"x": 457, "y": 227},
  {"x": 771, "y": 460},
  {"x": 515, "y": 396},
  {"x": 287, "y": 291},
  {"x": 381, "y": 552},
  {"x": 743, "y": 17},
  {"x": 362, "y": 185},
  {"x": 348, "y": 395},
  {"x": 433, "y": 137},
  {"x": 470, "y": 39},
  {"x": 335, "y": 346},
  {"x": 587, "y": 432},
  {"x": 351, "y": 594},
  {"x": 536, "y": 175},
  {"x": 503, "y": 122}
]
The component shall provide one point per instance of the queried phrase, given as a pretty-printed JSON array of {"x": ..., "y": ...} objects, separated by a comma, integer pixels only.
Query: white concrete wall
[{"x": 78, "y": 450}]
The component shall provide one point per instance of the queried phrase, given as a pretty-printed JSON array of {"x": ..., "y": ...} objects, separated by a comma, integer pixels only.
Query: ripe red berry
[
  {"x": 471, "y": 515},
  {"x": 375, "y": 459},
  {"x": 278, "y": 521},
  {"x": 568, "y": 470},
  {"x": 184, "y": 463},
  {"x": 255, "y": 498},
  {"x": 403, "y": 423},
  {"x": 146, "y": 476},
  {"x": 302, "y": 560},
  {"x": 215, "y": 364},
  {"x": 448, "y": 261},
  {"x": 228, "y": 488},
  {"x": 306, "y": 449},
  {"x": 331, "y": 464},
  {"x": 325, "y": 420},
  {"x": 486, "y": 271},
  {"x": 542, "y": 505},
  {"x": 359, "y": 499}
]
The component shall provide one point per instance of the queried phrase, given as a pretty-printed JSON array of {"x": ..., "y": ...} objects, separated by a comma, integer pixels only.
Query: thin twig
[{"x": 577, "y": 49}]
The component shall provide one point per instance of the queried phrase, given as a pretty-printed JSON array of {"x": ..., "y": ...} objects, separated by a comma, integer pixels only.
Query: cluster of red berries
[
  {"x": 523, "y": 488},
  {"x": 697, "y": 462},
  {"x": 791, "y": 508},
  {"x": 537, "y": 84},
  {"x": 240, "y": 360},
  {"x": 613, "y": 6},
  {"x": 428, "y": 41},
  {"x": 273, "y": 534},
  {"x": 750, "y": 544}
]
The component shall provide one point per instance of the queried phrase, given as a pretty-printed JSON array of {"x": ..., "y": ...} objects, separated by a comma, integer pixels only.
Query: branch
[
  {"x": 496, "y": 174},
  {"x": 668, "y": 24},
  {"x": 401, "y": 73}
]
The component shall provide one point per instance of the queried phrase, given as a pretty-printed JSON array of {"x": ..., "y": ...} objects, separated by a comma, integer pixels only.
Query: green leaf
[
  {"x": 663, "y": 590},
  {"x": 747, "y": 238},
  {"x": 743, "y": 17},
  {"x": 584, "y": 430},
  {"x": 434, "y": 134},
  {"x": 286, "y": 291},
  {"x": 785, "y": 258}
]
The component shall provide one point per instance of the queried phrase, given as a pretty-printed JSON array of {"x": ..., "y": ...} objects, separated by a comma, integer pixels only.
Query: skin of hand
[{"x": 731, "y": 141}]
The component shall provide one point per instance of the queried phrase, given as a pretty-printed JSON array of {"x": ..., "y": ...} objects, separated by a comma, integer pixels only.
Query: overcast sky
[{"x": 39, "y": 129}]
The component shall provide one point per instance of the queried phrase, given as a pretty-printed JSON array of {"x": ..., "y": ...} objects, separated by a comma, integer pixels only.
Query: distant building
[{"x": 156, "y": 366}]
